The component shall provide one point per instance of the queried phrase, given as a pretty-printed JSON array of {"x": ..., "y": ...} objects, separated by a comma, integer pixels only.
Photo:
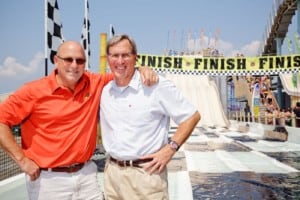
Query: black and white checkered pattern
[
  {"x": 85, "y": 36},
  {"x": 224, "y": 72},
  {"x": 186, "y": 66},
  {"x": 229, "y": 163},
  {"x": 54, "y": 28},
  {"x": 112, "y": 31}
]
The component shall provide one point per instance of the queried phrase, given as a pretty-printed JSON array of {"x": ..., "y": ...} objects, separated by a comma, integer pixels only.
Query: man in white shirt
[{"x": 135, "y": 123}]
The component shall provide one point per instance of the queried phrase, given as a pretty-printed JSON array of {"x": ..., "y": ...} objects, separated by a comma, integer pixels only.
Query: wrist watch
[{"x": 173, "y": 145}]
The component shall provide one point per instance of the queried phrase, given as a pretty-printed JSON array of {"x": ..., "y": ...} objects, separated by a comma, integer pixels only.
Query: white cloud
[
  {"x": 248, "y": 50},
  {"x": 226, "y": 48},
  {"x": 251, "y": 49},
  {"x": 12, "y": 68}
]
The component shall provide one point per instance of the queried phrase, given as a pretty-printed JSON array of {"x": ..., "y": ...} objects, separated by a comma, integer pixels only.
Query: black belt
[
  {"x": 69, "y": 169},
  {"x": 130, "y": 163}
]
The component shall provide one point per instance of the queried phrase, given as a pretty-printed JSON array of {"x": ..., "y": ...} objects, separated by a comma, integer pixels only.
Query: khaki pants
[
  {"x": 66, "y": 186},
  {"x": 132, "y": 183}
]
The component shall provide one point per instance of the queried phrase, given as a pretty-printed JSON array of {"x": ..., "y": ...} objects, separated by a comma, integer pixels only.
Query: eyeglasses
[
  {"x": 124, "y": 56},
  {"x": 69, "y": 60}
]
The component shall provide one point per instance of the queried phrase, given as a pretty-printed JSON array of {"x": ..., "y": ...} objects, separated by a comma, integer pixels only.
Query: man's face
[
  {"x": 122, "y": 62},
  {"x": 70, "y": 63}
]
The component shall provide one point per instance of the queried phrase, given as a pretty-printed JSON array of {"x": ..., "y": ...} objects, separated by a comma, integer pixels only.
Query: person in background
[
  {"x": 281, "y": 117},
  {"x": 269, "y": 103},
  {"x": 247, "y": 112},
  {"x": 135, "y": 124},
  {"x": 276, "y": 114},
  {"x": 58, "y": 116},
  {"x": 296, "y": 111},
  {"x": 288, "y": 117},
  {"x": 269, "y": 117}
]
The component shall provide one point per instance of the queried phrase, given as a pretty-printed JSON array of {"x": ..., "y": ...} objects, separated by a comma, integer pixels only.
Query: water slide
[
  {"x": 204, "y": 94},
  {"x": 287, "y": 82}
]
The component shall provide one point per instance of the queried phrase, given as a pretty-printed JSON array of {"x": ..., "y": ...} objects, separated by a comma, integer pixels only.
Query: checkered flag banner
[
  {"x": 112, "y": 31},
  {"x": 85, "y": 36},
  {"x": 54, "y": 28}
]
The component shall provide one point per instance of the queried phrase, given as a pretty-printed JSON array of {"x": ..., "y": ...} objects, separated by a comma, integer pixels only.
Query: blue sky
[{"x": 241, "y": 24}]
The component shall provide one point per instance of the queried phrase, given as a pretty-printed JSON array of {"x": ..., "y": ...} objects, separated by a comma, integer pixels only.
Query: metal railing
[
  {"x": 264, "y": 119},
  {"x": 279, "y": 9},
  {"x": 8, "y": 167}
]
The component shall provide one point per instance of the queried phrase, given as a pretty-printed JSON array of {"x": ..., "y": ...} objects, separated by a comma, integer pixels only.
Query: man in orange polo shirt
[{"x": 58, "y": 116}]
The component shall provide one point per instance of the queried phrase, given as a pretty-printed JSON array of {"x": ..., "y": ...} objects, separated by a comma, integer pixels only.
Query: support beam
[{"x": 279, "y": 42}]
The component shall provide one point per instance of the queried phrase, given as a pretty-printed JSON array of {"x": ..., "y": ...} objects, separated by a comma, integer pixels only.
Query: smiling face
[
  {"x": 121, "y": 60},
  {"x": 70, "y": 64}
]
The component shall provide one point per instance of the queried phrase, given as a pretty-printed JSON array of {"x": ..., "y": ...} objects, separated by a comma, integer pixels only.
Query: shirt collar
[
  {"x": 134, "y": 82},
  {"x": 52, "y": 81},
  {"x": 54, "y": 86}
]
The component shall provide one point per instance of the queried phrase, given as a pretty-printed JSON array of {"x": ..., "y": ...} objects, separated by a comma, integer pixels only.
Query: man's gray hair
[{"x": 118, "y": 38}]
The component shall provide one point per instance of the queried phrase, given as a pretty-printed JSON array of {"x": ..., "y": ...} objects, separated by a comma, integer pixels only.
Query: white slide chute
[
  {"x": 204, "y": 94},
  {"x": 288, "y": 85}
]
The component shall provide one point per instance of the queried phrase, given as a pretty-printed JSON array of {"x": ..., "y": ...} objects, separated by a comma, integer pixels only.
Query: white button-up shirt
[{"x": 135, "y": 119}]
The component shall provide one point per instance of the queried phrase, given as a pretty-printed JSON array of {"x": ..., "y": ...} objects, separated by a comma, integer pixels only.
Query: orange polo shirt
[{"x": 58, "y": 127}]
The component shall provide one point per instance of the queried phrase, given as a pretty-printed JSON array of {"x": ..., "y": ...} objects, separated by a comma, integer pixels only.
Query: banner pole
[
  {"x": 103, "y": 56},
  {"x": 46, "y": 40}
]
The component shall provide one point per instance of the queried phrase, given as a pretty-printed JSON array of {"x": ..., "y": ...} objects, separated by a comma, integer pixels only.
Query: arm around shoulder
[{"x": 149, "y": 77}]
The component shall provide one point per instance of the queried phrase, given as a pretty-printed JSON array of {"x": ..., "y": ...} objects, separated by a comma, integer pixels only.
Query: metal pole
[{"x": 279, "y": 42}]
